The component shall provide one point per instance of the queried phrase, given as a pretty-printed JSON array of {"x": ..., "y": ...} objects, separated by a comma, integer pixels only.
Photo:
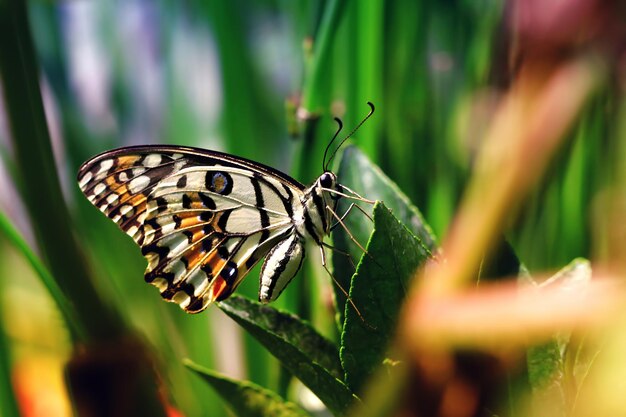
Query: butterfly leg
[
  {"x": 348, "y": 298},
  {"x": 341, "y": 252},
  {"x": 324, "y": 264},
  {"x": 280, "y": 266},
  {"x": 344, "y": 215},
  {"x": 352, "y": 238}
]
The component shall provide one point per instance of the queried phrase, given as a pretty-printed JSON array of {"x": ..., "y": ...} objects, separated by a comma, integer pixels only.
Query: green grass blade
[
  {"x": 8, "y": 401},
  {"x": 365, "y": 71},
  {"x": 316, "y": 89}
]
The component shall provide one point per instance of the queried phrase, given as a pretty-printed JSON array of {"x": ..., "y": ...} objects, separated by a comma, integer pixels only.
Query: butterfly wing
[{"x": 201, "y": 218}]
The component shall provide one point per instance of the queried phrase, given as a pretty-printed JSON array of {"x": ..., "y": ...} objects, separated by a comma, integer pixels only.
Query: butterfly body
[{"x": 203, "y": 219}]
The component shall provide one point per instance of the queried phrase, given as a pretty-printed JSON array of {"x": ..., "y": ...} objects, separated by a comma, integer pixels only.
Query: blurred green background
[{"x": 239, "y": 77}]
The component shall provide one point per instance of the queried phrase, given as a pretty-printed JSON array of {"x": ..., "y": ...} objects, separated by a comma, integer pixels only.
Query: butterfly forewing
[{"x": 201, "y": 218}]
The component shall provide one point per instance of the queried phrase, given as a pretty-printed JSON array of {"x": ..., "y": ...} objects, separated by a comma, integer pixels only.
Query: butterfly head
[
  {"x": 329, "y": 189},
  {"x": 327, "y": 180}
]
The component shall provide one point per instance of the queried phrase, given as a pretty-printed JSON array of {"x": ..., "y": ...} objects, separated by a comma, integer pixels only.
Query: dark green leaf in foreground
[
  {"x": 245, "y": 398},
  {"x": 358, "y": 173},
  {"x": 378, "y": 290},
  {"x": 551, "y": 375},
  {"x": 300, "y": 349}
]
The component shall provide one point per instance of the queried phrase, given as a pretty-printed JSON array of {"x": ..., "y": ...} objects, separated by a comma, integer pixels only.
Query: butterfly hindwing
[{"x": 201, "y": 218}]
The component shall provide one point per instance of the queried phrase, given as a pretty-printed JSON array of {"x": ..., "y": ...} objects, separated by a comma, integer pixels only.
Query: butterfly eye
[{"x": 327, "y": 180}]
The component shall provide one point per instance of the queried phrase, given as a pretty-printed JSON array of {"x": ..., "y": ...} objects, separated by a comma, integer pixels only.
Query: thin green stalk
[
  {"x": 8, "y": 403},
  {"x": 316, "y": 90},
  {"x": 365, "y": 71}
]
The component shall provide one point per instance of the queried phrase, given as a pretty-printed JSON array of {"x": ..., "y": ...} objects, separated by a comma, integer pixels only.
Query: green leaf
[
  {"x": 299, "y": 348},
  {"x": 378, "y": 290},
  {"x": 246, "y": 398},
  {"x": 551, "y": 368},
  {"x": 358, "y": 173}
]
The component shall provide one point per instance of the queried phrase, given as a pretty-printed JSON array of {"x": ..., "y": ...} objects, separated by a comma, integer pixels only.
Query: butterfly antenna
[
  {"x": 372, "y": 109},
  {"x": 340, "y": 126}
]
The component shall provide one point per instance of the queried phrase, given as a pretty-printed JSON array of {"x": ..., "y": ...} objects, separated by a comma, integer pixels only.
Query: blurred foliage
[{"x": 263, "y": 80}]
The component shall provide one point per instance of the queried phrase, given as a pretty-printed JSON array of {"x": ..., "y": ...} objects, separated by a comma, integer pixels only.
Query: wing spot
[
  {"x": 152, "y": 160},
  {"x": 207, "y": 201},
  {"x": 148, "y": 233},
  {"x": 160, "y": 283},
  {"x": 85, "y": 180},
  {"x": 178, "y": 269},
  {"x": 112, "y": 198},
  {"x": 223, "y": 219},
  {"x": 223, "y": 252},
  {"x": 207, "y": 229},
  {"x": 186, "y": 201},
  {"x": 206, "y": 268},
  {"x": 198, "y": 283},
  {"x": 153, "y": 262},
  {"x": 229, "y": 272},
  {"x": 132, "y": 230},
  {"x": 199, "y": 304},
  {"x": 182, "y": 299},
  {"x": 177, "y": 221},
  {"x": 161, "y": 204},
  {"x": 125, "y": 209},
  {"x": 219, "y": 182},
  {"x": 136, "y": 185},
  {"x": 105, "y": 166},
  {"x": 182, "y": 182},
  {"x": 99, "y": 189},
  {"x": 209, "y": 243}
]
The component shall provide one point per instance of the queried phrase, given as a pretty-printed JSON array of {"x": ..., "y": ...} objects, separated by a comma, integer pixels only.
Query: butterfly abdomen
[{"x": 280, "y": 266}]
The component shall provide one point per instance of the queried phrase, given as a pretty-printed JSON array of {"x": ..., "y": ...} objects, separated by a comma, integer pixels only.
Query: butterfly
[{"x": 203, "y": 218}]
